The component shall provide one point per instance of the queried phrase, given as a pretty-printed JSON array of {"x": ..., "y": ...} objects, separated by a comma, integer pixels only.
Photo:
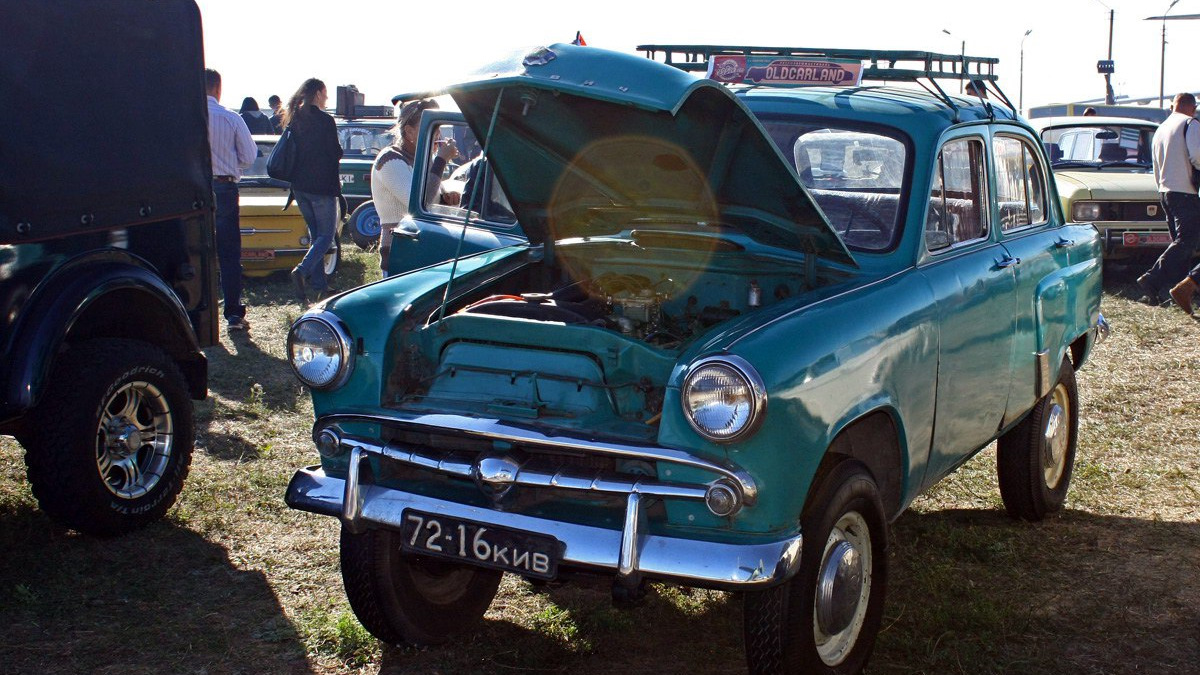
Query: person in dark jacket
[
  {"x": 315, "y": 183},
  {"x": 256, "y": 121},
  {"x": 276, "y": 104}
]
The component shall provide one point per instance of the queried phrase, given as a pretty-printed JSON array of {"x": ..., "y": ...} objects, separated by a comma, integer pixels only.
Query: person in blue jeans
[
  {"x": 232, "y": 150},
  {"x": 315, "y": 182}
]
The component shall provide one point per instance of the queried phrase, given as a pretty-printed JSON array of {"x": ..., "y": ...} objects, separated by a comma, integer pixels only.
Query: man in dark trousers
[
  {"x": 1176, "y": 151},
  {"x": 232, "y": 150}
]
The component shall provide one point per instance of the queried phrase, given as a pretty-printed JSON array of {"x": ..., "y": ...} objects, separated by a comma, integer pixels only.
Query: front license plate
[
  {"x": 258, "y": 255},
  {"x": 525, "y": 553},
  {"x": 1146, "y": 238},
  {"x": 347, "y": 177}
]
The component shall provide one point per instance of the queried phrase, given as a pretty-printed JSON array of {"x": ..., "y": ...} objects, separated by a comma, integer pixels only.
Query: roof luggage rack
[{"x": 923, "y": 68}]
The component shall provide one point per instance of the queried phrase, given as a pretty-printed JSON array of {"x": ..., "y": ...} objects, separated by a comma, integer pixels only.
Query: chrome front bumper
[{"x": 631, "y": 554}]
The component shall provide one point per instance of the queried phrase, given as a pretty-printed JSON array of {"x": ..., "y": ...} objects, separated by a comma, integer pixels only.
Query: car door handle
[
  {"x": 1063, "y": 243},
  {"x": 1007, "y": 261}
]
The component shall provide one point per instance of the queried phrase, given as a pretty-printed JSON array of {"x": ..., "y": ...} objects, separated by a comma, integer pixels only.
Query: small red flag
[{"x": 579, "y": 39}]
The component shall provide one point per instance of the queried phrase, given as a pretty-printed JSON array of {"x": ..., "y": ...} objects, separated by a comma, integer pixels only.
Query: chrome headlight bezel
[
  {"x": 1086, "y": 212},
  {"x": 756, "y": 397},
  {"x": 340, "y": 340}
]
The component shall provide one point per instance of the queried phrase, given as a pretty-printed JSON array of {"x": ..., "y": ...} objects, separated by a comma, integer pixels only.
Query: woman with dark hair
[
  {"x": 315, "y": 183},
  {"x": 256, "y": 121}
]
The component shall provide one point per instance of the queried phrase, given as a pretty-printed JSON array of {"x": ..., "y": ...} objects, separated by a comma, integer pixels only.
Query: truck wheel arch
[{"x": 83, "y": 301}]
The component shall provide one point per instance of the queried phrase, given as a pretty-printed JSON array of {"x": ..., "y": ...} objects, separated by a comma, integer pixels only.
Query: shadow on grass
[
  {"x": 970, "y": 592},
  {"x": 159, "y": 600},
  {"x": 975, "y": 592}
]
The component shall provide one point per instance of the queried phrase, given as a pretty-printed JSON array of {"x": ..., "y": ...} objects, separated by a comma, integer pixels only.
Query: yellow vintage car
[{"x": 273, "y": 239}]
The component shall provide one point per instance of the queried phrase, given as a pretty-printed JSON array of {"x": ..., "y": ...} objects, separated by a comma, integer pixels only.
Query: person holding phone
[{"x": 392, "y": 174}]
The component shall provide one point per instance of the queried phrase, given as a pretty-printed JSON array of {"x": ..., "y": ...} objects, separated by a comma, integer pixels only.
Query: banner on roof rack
[{"x": 738, "y": 69}]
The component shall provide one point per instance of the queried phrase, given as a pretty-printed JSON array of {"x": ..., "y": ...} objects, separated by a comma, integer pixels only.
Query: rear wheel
[
  {"x": 1034, "y": 459},
  {"x": 364, "y": 226},
  {"x": 113, "y": 437},
  {"x": 403, "y": 598},
  {"x": 825, "y": 619}
]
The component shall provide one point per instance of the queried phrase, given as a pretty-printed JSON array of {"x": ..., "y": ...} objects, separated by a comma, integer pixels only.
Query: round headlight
[
  {"x": 1085, "y": 212},
  {"x": 319, "y": 352},
  {"x": 723, "y": 398}
]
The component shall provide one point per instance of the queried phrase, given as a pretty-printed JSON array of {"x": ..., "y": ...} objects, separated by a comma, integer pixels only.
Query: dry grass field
[{"x": 232, "y": 581}]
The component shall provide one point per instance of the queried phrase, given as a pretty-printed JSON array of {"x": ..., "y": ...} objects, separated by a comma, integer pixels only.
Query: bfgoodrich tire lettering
[
  {"x": 113, "y": 439},
  {"x": 825, "y": 619},
  {"x": 401, "y": 598},
  {"x": 1034, "y": 459}
]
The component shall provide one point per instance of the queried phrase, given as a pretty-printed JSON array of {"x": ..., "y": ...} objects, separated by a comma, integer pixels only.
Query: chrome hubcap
[
  {"x": 843, "y": 588},
  {"x": 1056, "y": 437},
  {"x": 134, "y": 440}
]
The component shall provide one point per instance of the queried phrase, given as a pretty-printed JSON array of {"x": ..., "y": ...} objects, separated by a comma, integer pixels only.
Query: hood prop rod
[{"x": 487, "y": 142}]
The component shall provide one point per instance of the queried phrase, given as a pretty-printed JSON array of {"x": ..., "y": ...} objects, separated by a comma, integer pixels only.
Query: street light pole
[
  {"x": 962, "y": 64},
  {"x": 1021, "y": 89},
  {"x": 1162, "y": 72},
  {"x": 1109, "y": 98}
]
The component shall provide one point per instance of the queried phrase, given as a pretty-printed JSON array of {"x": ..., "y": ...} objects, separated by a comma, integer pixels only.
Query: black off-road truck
[{"x": 107, "y": 270}]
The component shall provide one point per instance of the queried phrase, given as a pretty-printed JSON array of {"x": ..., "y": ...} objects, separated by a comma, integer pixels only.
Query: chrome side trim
[
  {"x": 499, "y": 430},
  {"x": 1044, "y": 376},
  {"x": 686, "y": 561}
]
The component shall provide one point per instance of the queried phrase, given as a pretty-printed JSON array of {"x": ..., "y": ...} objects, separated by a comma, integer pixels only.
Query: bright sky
[{"x": 386, "y": 47}]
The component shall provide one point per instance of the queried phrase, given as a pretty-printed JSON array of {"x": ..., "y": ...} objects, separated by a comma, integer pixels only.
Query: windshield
[
  {"x": 364, "y": 140},
  {"x": 258, "y": 170},
  {"x": 856, "y": 176},
  {"x": 1107, "y": 145}
]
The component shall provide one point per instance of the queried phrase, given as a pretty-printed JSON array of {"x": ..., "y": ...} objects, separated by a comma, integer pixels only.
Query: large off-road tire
[
  {"x": 825, "y": 619},
  {"x": 1035, "y": 458},
  {"x": 112, "y": 438},
  {"x": 364, "y": 226},
  {"x": 401, "y": 598}
]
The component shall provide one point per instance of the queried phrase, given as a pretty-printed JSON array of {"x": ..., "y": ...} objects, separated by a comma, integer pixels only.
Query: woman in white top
[{"x": 392, "y": 174}]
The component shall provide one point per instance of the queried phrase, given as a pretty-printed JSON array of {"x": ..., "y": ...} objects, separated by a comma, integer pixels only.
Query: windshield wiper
[
  {"x": 1140, "y": 165},
  {"x": 1072, "y": 164}
]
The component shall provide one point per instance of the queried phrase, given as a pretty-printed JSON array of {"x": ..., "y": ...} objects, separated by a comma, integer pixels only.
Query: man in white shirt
[
  {"x": 392, "y": 174},
  {"x": 1176, "y": 150},
  {"x": 232, "y": 150}
]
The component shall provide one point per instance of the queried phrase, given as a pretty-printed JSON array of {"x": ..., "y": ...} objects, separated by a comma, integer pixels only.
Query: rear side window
[
  {"x": 957, "y": 202},
  {"x": 1020, "y": 184}
]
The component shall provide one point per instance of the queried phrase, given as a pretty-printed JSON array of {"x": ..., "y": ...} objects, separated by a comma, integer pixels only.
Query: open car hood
[{"x": 589, "y": 142}]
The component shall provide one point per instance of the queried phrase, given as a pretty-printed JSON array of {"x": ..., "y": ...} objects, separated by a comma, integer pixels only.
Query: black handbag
[{"x": 281, "y": 164}]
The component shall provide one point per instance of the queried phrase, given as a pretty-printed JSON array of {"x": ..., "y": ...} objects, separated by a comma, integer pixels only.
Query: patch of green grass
[{"x": 338, "y": 635}]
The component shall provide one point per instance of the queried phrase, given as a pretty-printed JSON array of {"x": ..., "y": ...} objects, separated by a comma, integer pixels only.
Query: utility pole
[{"x": 1109, "y": 99}]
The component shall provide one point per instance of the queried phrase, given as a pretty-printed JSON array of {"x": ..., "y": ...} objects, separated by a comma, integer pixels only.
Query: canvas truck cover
[{"x": 102, "y": 117}]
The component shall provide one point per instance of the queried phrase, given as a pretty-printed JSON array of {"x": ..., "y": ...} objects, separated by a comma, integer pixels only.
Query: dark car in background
[
  {"x": 362, "y": 140},
  {"x": 107, "y": 267}
]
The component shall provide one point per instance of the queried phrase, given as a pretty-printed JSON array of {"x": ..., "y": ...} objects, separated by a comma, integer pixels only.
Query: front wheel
[
  {"x": 364, "y": 226},
  {"x": 1034, "y": 459},
  {"x": 400, "y": 598},
  {"x": 825, "y": 619},
  {"x": 113, "y": 437}
]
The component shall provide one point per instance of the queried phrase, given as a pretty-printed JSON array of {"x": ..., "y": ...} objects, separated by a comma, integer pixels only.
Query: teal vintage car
[{"x": 749, "y": 326}]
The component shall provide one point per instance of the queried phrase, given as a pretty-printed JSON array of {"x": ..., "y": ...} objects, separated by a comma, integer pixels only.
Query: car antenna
[{"x": 487, "y": 141}]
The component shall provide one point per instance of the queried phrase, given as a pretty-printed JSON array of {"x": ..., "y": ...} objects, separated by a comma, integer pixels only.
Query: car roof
[
  {"x": 917, "y": 112},
  {"x": 1043, "y": 123}
]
